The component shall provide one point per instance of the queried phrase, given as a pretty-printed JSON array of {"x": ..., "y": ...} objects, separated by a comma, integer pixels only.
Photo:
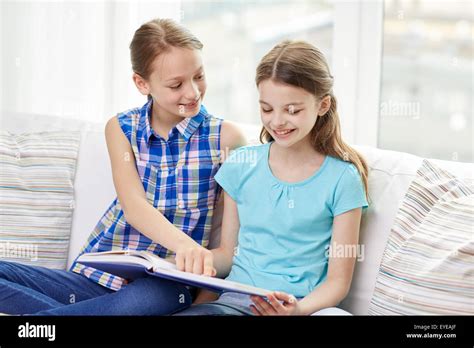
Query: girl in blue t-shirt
[{"x": 292, "y": 206}]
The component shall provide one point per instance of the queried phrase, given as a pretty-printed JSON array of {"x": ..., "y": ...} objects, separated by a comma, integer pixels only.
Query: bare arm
[
  {"x": 340, "y": 270},
  {"x": 231, "y": 138},
  {"x": 224, "y": 254}
]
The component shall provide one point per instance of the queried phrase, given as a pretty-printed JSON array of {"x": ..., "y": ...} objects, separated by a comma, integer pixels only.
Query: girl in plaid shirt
[{"x": 164, "y": 156}]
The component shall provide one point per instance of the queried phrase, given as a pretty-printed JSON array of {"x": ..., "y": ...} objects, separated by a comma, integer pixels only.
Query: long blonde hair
[{"x": 300, "y": 64}]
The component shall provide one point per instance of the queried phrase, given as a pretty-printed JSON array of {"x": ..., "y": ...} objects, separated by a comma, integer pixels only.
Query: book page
[
  {"x": 155, "y": 260},
  {"x": 114, "y": 258}
]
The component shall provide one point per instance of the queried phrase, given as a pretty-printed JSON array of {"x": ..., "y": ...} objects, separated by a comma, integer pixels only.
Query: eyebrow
[
  {"x": 179, "y": 77},
  {"x": 295, "y": 103}
]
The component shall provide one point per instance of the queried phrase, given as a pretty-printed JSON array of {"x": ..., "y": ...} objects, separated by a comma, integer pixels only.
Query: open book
[{"x": 136, "y": 264}]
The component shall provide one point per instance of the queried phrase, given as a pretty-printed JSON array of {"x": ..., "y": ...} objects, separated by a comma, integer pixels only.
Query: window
[
  {"x": 236, "y": 35},
  {"x": 427, "y": 87},
  {"x": 71, "y": 59},
  {"x": 403, "y": 69}
]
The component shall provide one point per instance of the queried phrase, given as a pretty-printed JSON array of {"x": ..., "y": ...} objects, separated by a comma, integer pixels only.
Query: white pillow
[
  {"x": 37, "y": 196},
  {"x": 427, "y": 267}
]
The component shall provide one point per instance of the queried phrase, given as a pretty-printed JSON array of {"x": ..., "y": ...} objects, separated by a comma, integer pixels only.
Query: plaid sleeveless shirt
[{"x": 178, "y": 178}]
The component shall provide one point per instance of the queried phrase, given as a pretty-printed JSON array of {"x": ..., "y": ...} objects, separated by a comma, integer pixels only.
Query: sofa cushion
[
  {"x": 390, "y": 175},
  {"x": 427, "y": 264},
  {"x": 94, "y": 188},
  {"x": 37, "y": 196}
]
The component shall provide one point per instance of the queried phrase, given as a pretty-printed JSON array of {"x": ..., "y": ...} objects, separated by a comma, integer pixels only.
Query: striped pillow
[
  {"x": 427, "y": 267},
  {"x": 36, "y": 196}
]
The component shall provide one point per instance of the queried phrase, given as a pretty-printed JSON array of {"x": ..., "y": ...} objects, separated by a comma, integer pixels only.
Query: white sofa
[{"x": 390, "y": 175}]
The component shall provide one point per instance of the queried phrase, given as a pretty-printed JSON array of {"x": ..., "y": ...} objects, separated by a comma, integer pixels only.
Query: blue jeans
[
  {"x": 222, "y": 309},
  {"x": 215, "y": 309},
  {"x": 226, "y": 304},
  {"x": 239, "y": 304},
  {"x": 43, "y": 291}
]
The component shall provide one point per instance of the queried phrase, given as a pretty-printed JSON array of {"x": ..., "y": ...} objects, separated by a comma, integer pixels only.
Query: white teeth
[
  {"x": 190, "y": 104},
  {"x": 283, "y": 132}
]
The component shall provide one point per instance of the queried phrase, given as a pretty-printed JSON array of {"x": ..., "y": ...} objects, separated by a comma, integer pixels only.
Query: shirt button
[{"x": 181, "y": 204}]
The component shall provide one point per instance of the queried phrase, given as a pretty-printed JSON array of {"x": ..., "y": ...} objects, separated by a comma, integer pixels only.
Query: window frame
[{"x": 357, "y": 67}]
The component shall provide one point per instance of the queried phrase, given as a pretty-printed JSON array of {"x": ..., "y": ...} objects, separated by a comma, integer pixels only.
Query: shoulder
[
  {"x": 128, "y": 116},
  {"x": 232, "y": 137},
  {"x": 257, "y": 148},
  {"x": 341, "y": 170},
  {"x": 246, "y": 157},
  {"x": 123, "y": 122},
  {"x": 114, "y": 130},
  {"x": 339, "y": 166},
  {"x": 117, "y": 139},
  {"x": 242, "y": 164}
]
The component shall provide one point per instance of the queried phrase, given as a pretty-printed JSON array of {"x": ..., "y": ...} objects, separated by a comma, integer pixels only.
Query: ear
[
  {"x": 324, "y": 105},
  {"x": 141, "y": 84}
]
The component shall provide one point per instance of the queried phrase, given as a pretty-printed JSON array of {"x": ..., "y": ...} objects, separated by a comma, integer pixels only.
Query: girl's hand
[
  {"x": 279, "y": 303},
  {"x": 195, "y": 259}
]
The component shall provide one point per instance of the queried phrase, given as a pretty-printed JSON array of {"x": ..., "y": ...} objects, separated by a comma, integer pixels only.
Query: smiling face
[
  {"x": 289, "y": 113},
  {"x": 177, "y": 83}
]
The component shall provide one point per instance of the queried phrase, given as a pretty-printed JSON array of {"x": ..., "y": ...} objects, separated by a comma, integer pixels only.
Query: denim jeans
[
  {"x": 239, "y": 305},
  {"x": 38, "y": 290},
  {"x": 227, "y": 304}
]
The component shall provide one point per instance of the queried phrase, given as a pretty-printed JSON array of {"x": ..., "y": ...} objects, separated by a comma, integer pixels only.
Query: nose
[
  {"x": 278, "y": 119},
  {"x": 192, "y": 93}
]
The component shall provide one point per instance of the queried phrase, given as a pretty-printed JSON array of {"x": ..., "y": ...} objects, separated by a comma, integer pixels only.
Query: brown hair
[
  {"x": 300, "y": 64},
  {"x": 156, "y": 37}
]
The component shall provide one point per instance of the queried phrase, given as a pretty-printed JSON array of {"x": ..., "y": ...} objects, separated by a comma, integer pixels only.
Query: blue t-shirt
[{"x": 286, "y": 228}]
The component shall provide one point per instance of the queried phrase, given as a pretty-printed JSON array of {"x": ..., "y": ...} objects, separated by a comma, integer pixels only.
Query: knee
[
  {"x": 164, "y": 291},
  {"x": 164, "y": 287}
]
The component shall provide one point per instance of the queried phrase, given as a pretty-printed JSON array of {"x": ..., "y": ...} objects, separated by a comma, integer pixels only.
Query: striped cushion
[
  {"x": 427, "y": 267},
  {"x": 36, "y": 196}
]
